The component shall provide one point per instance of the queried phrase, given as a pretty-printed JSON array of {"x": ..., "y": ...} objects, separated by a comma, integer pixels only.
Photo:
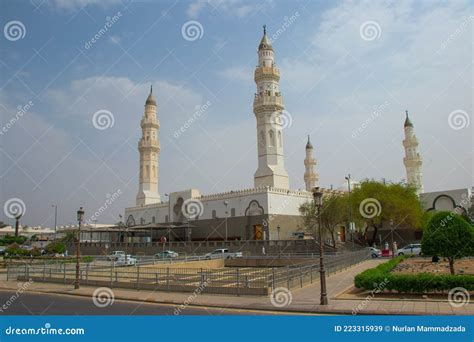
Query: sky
[{"x": 74, "y": 76}]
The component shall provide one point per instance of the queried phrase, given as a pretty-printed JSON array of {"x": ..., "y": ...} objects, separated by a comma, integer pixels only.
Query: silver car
[{"x": 411, "y": 249}]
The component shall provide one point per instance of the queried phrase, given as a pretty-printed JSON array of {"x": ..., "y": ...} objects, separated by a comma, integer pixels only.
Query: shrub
[
  {"x": 413, "y": 283},
  {"x": 55, "y": 247},
  {"x": 448, "y": 235}
]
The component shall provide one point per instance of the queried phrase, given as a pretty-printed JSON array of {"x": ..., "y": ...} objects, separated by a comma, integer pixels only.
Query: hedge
[{"x": 410, "y": 283}]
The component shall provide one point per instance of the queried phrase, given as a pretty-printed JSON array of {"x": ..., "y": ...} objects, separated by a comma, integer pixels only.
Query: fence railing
[{"x": 236, "y": 281}]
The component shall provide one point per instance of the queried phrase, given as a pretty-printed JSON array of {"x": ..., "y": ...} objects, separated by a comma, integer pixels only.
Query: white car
[
  {"x": 411, "y": 249},
  {"x": 374, "y": 252},
  {"x": 222, "y": 253},
  {"x": 116, "y": 255},
  {"x": 129, "y": 260}
]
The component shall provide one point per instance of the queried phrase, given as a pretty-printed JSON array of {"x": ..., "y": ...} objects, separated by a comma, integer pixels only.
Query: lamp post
[
  {"x": 17, "y": 222},
  {"x": 55, "y": 218},
  {"x": 169, "y": 216},
  {"x": 351, "y": 228},
  {"x": 226, "y": 203},
  {"x": 391, "y": 234},
  {"x": 80, "y": 218},
  {"x": 278, "y": 232},
  {"x": 318, "y": 201}
]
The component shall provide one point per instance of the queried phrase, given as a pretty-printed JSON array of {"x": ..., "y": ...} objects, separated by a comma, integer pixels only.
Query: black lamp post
[
  {"x": 80, "y": 218},
  {"x": 318, "y": 201},
  {"x": 351, "y": 228},
  {"x": 278, "y": 232}
]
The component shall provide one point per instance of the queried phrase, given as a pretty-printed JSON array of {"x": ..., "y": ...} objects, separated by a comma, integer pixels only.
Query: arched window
[
  {"x": 262, "y": 138},
  {"x": 271, "y": 137},
  {"x": 279, "y": 139}
]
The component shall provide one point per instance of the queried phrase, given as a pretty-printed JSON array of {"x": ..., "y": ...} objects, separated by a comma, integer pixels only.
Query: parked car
[
  {"x": 222, "y": 253},
  {"x": 116, "y": 255},
  {"x": 166, "y": 255},
  {"x": 129, "y": 260},
  {"x": 411, "y": 249},
  {"x": 2, "y": 250},
  {"x": 374, "y": 252}
]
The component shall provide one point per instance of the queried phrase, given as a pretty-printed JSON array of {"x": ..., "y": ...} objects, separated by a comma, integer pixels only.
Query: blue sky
[{"x": 346, "y": 86}]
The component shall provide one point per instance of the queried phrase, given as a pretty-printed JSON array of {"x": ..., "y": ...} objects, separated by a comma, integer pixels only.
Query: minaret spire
[
  {"x": 268, "y": 107},
  {"x": 412, "y": 160},
  {"x": 311, "y": 178},
  {"x": 149, "y": 148}
]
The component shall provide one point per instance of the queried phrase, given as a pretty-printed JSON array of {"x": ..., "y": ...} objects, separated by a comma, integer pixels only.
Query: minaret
[
  {"x": 267, "y": 106},
  {"x": 149, "y": 148},
  {"x": 412, "y": 158},
  {"x": 311, "y": 178}
]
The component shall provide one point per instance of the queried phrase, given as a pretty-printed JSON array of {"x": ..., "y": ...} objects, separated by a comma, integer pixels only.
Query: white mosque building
[{"x": 269, "y": 210}]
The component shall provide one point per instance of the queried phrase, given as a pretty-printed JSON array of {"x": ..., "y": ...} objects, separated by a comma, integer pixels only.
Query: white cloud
[
  {"x": 238, "y": 8},
  {"x": 237, "y": 73}
]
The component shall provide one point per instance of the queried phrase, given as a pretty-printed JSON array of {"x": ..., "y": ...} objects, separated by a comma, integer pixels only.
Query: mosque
[{"x": 269, "y": 210}]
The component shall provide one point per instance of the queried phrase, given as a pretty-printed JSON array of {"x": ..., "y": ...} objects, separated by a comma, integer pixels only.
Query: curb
[{"x": 217, "y": 306}]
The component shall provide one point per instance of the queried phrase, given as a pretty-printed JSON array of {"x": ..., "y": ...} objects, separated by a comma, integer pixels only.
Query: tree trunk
[{"x": 451, "y": 265}]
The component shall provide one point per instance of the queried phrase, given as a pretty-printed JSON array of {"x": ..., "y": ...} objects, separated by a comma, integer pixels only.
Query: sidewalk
[{"x": 304, "y": 300}]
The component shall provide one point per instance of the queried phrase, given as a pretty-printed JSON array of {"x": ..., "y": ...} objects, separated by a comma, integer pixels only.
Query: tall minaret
[
  {"x": 149, "y": 148},
  {"x": 267, "y": 106},
  {"x": 412, "y": 158},
  {"x": 311, "y": 178}
]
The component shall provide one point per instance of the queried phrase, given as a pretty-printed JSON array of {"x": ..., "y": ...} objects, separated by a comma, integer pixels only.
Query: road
[{"x": 31, "y": 303}]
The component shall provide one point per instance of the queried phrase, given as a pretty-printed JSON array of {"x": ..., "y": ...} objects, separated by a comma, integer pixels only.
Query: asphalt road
[{"x": 30, "y": 303}]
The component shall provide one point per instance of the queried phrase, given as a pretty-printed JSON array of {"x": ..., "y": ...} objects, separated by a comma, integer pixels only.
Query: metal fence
[{"x": 235, "y": 281}]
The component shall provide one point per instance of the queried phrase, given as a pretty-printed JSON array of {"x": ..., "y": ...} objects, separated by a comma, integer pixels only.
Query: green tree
[
  {"x": 334, "y": 213},
  {"x": 55, "y": 247},
  {"x": 376, "y": 203},
  {"x": 448, "y": 235}
]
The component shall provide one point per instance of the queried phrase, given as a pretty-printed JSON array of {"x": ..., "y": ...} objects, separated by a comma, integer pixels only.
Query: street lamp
[
  {"x": 80, "y": 218},
  {"x": 278, "y": 232},
  {"x": 391, "y": 234},
  {"x": 351, "y": 228},
  {"x": 318, "y": 201},
  {"x": 55, "y": 218},
  {"x": 226, "y": 203}
]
